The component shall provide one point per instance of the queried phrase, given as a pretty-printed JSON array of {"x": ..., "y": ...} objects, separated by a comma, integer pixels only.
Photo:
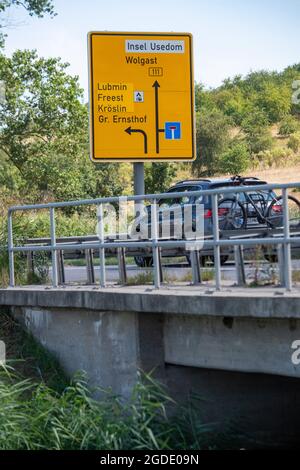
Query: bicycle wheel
[
  {"x": 275, "y": 212},
  {"x": 232, "y": 214},
  {"x": 143, "y": 261},
  {"x": 210, "y": 260}
]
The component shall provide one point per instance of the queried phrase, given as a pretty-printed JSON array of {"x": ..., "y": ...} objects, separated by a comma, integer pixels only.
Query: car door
[{"x": 172, "y": 213}]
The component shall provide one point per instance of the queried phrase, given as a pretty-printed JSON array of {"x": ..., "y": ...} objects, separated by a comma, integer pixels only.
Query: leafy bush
[
  {"x": 37, "y": 225},
  {"x": 19, "y": 260},
  {"x": 236, "y": 159},
  {"x": 274, "y": 99},
  {"x": 213, "y": 138},
  {"x": 276, "y": 157},
  {"x": 256, "y": 130},
  {"x": 294, "y": 142},
  {"x": 158, "y": 176},
  {"x": 289, "y": 125}
]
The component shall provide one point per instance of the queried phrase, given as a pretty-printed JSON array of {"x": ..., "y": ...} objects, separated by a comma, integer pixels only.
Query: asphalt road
[{"x": 176, "y": 272}]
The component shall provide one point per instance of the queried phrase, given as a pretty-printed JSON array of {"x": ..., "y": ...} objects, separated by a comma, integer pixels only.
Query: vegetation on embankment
[{"x": 41, "y": 409}]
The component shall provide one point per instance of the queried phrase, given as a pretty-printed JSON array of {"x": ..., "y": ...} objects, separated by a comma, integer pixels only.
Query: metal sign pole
[
  {"x": 139, "y": 179},
  {"x": 139, "y": 187}
]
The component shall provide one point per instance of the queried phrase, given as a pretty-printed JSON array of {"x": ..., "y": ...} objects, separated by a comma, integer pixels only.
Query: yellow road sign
[{"x": 141, "y": 97}]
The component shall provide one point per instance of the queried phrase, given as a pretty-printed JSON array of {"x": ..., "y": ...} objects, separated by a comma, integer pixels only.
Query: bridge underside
[{"x": 236, "y": 355}]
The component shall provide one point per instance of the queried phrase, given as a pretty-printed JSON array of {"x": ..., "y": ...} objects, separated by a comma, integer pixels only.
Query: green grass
[
  {"x": 41, "y": 409},
  {"x": 110, "y": 261},
  {"x": 34, "y": 416},
  {"x": 27, "y": 356},
  {"x": 113, "y": 261}
]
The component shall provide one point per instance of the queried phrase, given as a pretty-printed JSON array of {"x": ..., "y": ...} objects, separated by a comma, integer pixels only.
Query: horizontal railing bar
[
  {"x": 161, "y": 243},
  {"x": 149, "y": 197},
  {"x": 260, "y": 241},
  {"x": 262, "y": 236},
  {"x": 80, "y": 238},
  {"x": 243, "y": 234}
]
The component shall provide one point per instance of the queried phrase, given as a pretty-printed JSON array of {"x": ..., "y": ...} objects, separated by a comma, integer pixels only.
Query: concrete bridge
[{"x": 233, "y": 347}]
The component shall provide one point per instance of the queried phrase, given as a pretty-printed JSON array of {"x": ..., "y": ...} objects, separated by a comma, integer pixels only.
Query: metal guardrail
[{"x": 283, "y": 240}]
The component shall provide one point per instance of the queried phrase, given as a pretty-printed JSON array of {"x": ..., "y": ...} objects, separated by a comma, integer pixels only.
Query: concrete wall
[
  {"x": 231, "y": 343},
  {"x": 111, "y": 348},
  {"x": 238, "y": 359}
]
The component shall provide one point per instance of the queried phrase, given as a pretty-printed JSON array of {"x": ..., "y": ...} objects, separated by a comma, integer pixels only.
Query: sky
[{"x": 231, "y": 37}]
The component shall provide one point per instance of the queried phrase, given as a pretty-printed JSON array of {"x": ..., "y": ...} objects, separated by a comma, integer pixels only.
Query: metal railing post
[
  {"x": 161, "y": 273},
  {"x": 287, "y": 246},
  {"x": 61, "y": 267},
  {"x": 239, "y": 265},
  {"x": 101, "y": 240},
  {"x": 122, "y": 266},
  {"x": 281, "y": 264},
  {"x": 154, "y": 236},
  {"x": 195, "y": 265},
  {"x": 10, "y": 251},
  {"x": 53, "y": 250},
  {"x": 89, "y": 266},
  {"x": 217, "y": 261}
]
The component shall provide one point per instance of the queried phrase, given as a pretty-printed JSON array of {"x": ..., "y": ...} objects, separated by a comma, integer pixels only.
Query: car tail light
[
  {"x": 208, "y": 214},
  {"x": 221, "y": 211},
  {"x": 277, "y": 208}
]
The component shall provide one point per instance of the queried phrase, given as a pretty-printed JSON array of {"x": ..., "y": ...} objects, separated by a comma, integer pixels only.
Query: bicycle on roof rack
[{"x": 260, "y": 207}]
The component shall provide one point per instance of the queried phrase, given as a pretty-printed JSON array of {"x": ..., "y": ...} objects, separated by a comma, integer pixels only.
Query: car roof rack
[
  {"x": 219, "y": 181},
  {"x": 196, "y": 180}
]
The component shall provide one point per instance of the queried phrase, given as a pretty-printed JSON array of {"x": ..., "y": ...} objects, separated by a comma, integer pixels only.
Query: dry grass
[
  {"x": 279, "y": 175},
  {"x": 296, "y": 276},
  {"x": 271, "y": 175},
  {"x": 289, "y": 174},
  {"x": 140, "y": 279}
]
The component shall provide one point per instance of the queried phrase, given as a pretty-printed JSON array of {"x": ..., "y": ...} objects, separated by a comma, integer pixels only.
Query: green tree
[
  {"x": 42, "y": 112},
  {"x": 34, "y": 7},
  {"x": 274, "y": 100},
  {"x": 213, "y": 137},
  {"x": 10, "y": 177},
  {"x": 159, "y": 176},
  {"x": 257, "y": 133},
  {"x": 203, "y": 98},
  {"x": 44, "y": 134},
  {"x": 236, "y": 159},
  {"x": 232, "y": 103},
  {"x": 269, "y": 92}
]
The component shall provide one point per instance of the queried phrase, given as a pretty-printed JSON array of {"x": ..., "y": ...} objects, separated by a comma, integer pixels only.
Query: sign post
[
  {"x": 139, "y": 183},
  {"x": 141, "y": 98}
]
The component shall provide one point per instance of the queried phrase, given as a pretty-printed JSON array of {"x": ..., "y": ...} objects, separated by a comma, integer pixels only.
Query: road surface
[{"x": 176, "y": 272}]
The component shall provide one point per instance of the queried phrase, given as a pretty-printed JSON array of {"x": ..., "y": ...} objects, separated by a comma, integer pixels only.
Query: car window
[
  {"x": 255, "y": 195},
  {"x": 184, "y": 199},
  {"x": 267, "y": 195},
  {"x": 229, "y": 195}
]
